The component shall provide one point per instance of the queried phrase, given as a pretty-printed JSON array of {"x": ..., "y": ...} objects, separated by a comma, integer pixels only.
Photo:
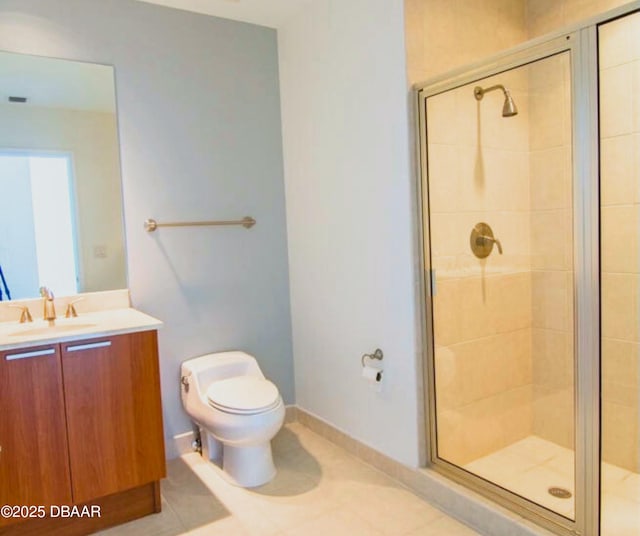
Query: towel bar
[{"x": 151, "y": 225}]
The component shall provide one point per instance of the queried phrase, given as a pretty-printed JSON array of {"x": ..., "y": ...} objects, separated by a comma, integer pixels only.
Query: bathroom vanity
[{"x": 80, "y": 421}]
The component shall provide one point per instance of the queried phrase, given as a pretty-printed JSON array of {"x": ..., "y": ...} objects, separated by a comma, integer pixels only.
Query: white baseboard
[{"x": 178, "y": 445}]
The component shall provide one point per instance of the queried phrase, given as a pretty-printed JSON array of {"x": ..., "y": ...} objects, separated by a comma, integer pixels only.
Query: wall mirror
[{"x": 61, "y": 222}]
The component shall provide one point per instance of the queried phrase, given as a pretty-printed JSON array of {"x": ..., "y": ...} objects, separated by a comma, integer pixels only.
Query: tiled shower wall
[
  {"x": 479, "y": 172},
  {"x": 478, "y": 166},
  {"x": 544, "y": 16},
  {"x": 503, "y": 325},
  {"x": 620, "y": 227},
  {"x": 504, "y": 359},
  {"x": 551, "y": 251},
  {"x": 442, "y": 35}
]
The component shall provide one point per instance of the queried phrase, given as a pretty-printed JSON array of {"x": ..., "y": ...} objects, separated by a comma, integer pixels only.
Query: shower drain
[{"x": 560, "y": 493}]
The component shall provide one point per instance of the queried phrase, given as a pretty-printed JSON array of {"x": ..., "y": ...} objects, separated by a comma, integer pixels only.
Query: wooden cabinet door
[
  {"x": 34, "y": 464},
  {"x": 114, "y": 414}
]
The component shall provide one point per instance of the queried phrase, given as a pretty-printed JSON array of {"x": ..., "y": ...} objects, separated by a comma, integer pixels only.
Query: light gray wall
[
  {"x": 350, "y": 214},
  {"x": 198, "y": 105}
]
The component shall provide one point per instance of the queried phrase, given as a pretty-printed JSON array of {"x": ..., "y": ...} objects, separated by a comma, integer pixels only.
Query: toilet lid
[{"x": 243, "y": 394}]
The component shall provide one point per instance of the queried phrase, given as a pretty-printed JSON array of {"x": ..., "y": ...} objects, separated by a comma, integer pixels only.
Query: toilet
[{"x": 238, "y": 412}]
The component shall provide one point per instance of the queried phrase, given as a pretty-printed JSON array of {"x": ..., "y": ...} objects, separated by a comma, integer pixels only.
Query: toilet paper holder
[{"x": 375, "y": 355}]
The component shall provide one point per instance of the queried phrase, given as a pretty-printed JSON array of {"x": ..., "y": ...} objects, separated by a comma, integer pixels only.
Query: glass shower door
[
  {"x": 619, "y": 80},
  {"x": 499, "y": 246}
]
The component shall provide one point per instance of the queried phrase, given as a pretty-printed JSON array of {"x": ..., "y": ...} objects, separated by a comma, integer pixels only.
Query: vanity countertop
[{"x": 88, "y": 325}]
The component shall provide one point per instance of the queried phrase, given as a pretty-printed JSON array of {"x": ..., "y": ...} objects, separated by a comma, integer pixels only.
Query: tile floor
[
  {"x": 530, "y": 466},
  {"x": 320, "y": 489}
]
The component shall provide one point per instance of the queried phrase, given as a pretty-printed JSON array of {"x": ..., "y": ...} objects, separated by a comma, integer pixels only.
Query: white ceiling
[{"x": 271, "y": 13}]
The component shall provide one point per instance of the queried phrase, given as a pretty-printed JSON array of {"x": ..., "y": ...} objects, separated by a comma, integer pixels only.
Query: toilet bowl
[{"x": 238, "y": 412}]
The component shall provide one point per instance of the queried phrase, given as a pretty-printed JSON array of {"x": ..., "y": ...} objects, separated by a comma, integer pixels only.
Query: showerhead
[{"x": 509, "y": 108}]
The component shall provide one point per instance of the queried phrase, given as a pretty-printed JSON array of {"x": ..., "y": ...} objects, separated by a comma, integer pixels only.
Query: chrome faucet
[{"x": 49, "y": 308}]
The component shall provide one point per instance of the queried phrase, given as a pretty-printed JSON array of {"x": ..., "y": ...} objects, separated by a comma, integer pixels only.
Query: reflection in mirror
[{"x": 61, "y": 221}]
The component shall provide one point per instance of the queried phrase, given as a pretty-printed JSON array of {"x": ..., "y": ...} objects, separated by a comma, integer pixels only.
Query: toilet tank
[{"x": 219, "y": 366}]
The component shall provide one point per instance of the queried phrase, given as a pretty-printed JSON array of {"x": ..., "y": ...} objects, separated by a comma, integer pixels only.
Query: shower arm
[{"x": 479, "y": 92}]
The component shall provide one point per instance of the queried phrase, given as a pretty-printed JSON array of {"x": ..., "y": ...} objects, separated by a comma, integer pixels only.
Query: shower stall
[{"x": 530, "y": 192}]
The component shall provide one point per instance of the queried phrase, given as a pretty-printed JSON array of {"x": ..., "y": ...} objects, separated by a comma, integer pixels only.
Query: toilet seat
[{"x": 243, "y": 395}]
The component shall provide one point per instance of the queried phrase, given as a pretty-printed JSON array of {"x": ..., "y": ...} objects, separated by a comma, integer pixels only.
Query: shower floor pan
[{"x": 531, "y": 466}]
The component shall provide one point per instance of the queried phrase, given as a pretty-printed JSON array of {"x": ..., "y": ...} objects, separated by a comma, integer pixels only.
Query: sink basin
[{"x": 52, "y": 330}]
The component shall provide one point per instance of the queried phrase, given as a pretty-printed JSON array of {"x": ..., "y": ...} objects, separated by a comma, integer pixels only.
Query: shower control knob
[{"x": 482, "y": 241}]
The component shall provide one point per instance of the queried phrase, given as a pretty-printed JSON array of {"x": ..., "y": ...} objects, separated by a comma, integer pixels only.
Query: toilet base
[
  {"x": 248, "y": 467},
  {"x": 211, "y": 447}
]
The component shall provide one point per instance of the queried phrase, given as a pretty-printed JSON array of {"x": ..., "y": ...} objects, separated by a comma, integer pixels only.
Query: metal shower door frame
[{"x": 582, "y": 47}]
